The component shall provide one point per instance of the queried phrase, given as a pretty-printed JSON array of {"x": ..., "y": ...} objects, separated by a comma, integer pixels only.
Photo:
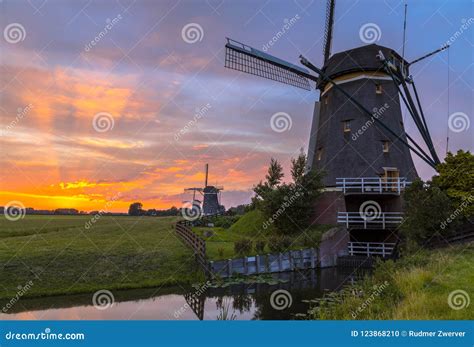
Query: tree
[
  {"x": 135, "y": 209},
  {"x": 427, "y": 211},
  {"x": 275, "y": 173},
  {"x": 289, "y": 206},
  {"x": 456, "y": 178}
]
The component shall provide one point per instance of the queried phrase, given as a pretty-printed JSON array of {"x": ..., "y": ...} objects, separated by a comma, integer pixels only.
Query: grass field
[
  {"x": 60, "y": 256},
  {"x": 220, "y": 245},
  {"x": 417, "y": 287}
]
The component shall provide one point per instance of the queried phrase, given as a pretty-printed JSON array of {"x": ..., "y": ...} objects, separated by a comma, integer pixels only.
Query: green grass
[
  {"x": 61, "y": 256},
  {"x": 250, "y": 226},
  {"x": 417, "y": 287}
]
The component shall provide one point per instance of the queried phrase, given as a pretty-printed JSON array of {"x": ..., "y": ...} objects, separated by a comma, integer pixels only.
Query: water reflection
[{"x": 238, "y": 301}]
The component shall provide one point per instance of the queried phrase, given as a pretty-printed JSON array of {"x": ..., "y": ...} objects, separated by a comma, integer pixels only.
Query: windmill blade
[
  {"x": 328, "y": 31},
  {"x": 244, "y": 58},
  {"x": 429, "y": 55}
]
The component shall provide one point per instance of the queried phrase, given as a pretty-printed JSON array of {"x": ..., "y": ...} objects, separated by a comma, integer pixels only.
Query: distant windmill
[
  {"x": 211, "y": 197},
  {"x": 359, "y": 89}
]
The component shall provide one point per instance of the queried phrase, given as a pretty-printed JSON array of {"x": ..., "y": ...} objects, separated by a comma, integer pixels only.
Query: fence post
[
  {"x": 279, "y": 262},
  {"x": 302, "y": 258},
  {"x": 245, "y": 266},
  {"x": 257, "y": 264},
  {"x": 383, "y": 249},
  {"x": 368, "y": 249},
  {"x": 313, "y": 263},
  {"x": 383, "y": 219}
]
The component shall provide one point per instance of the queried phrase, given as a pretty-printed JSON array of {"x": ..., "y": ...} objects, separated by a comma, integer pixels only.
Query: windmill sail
[{"x": 244, "y": 58}]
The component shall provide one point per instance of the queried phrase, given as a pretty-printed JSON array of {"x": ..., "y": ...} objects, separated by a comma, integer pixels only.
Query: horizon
[{"x": 136, "y": 115}]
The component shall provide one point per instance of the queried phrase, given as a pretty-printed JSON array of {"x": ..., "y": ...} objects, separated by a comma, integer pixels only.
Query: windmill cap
[{"x": 360, "y": 59}]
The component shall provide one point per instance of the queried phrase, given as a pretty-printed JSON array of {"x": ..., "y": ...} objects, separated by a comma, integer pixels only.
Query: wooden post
[
  {"x": 368, "y": 249},
  {"x": 280, "y": 261},
  {"x": 257, "y": 264}
]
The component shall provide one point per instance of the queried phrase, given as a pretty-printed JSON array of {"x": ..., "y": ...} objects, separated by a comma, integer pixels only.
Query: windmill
[
  {"x": 357, "y": 134},
  {"x": 210, "y": 204}
]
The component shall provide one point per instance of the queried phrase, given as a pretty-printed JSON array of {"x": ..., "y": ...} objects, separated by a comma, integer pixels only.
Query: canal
[{"x": 282, "y": 297}]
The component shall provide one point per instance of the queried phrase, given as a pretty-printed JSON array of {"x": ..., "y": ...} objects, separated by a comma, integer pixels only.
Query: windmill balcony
[
  {"x": 368, "y": 249},
  {"x": 382, "y": 220},
  {"x": 372, "y": 185}
]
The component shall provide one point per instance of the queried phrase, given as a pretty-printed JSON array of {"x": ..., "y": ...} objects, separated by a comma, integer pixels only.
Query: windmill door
[{"x": 391, "y": 178}]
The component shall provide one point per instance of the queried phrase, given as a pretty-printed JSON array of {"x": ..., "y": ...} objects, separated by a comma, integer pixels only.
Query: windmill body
[{"x": 357, "y": 137}]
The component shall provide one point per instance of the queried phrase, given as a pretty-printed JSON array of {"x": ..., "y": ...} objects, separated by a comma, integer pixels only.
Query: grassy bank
[
  {"x": 415, "y": 287},
  {"x": 220, "y": 241},
  {"x": 60, "y": 256}
]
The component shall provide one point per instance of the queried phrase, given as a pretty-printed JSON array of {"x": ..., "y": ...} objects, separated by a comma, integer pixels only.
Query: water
[{"x": 239, "y": 301}]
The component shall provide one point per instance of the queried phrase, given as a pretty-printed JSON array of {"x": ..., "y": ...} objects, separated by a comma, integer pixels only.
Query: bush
[
  {"x": 242, "y": 247},
  {"x": 225, "y": 221},
  {"x": 260, "y": 246},
  {"x": 279, "y": 244}
]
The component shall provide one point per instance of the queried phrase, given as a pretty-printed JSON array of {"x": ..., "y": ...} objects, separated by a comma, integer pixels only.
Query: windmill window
[
  {"x": 319, "y": 154},
  {"x": 346, "y": 126},
  {"x": 378, "y": 89},
  {"x": 385, "y": 146}
]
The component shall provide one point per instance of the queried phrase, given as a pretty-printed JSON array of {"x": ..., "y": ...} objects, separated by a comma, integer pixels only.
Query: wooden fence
[
  {"x": 193, "y": 241},
  {"x": 269, "y": 263}
]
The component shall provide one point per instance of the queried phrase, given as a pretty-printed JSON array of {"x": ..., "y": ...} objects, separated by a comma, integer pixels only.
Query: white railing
[
  {"x": 384, "y": 249},
  {"x": 372, "y": 185},
  {"x": 381, "y": 220}
]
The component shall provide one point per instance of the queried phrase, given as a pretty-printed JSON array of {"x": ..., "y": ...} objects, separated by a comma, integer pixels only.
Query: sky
[{"x": 103, "y": 103}]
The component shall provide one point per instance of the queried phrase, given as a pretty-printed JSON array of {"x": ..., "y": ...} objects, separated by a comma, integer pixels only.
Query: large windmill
[{"x": 357, "y": 136}]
